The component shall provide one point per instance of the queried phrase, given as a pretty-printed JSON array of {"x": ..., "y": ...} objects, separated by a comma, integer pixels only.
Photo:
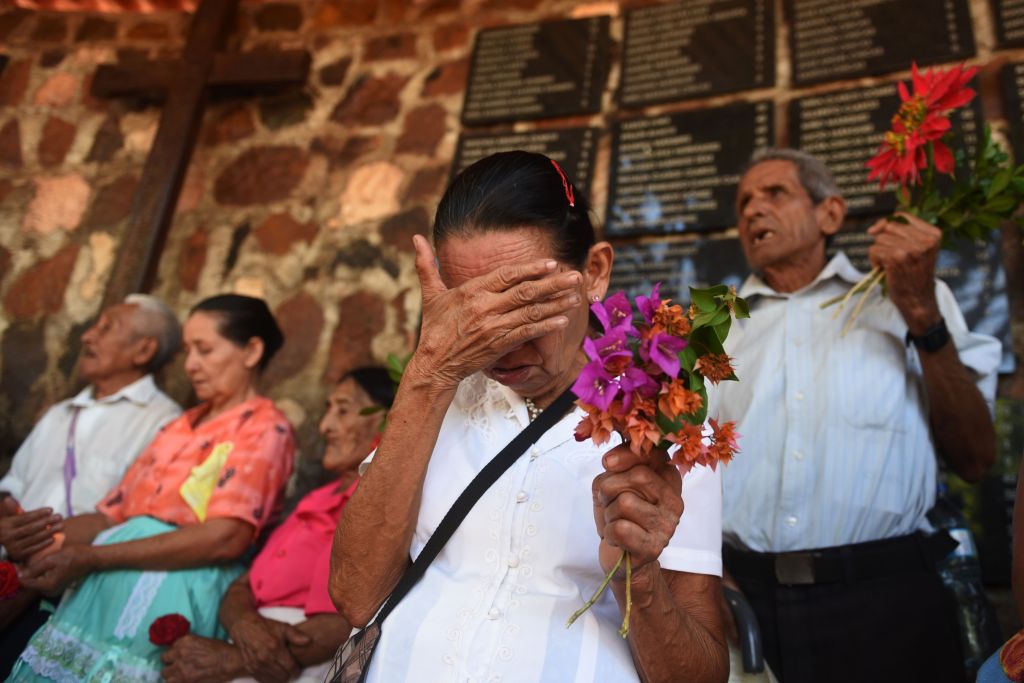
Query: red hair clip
[{"x": 565, "y": 183}]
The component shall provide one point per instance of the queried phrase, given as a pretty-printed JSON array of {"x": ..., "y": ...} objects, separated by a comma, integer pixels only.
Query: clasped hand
[
  {"x": 637, "y": 506},
  {"x": 907, "y": 249},
  {"x": 25, "y": 533},
  {"x": 469, "y": 327}
]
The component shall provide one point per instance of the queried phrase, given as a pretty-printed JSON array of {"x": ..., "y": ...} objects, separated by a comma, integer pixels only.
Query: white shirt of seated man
[{"x": 107, "y": 424}]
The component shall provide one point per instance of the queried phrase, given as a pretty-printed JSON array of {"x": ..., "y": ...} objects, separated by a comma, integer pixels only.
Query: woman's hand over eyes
[{"x": 469, "y": 327}]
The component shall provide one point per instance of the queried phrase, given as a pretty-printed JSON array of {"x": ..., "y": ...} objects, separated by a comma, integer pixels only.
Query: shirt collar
[
  {"x": 839, "y": 267},
  {"x": 140, "y": 392}
]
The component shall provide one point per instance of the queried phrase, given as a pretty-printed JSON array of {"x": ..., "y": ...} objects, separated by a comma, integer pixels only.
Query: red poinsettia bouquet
[
  {"x": 165, "y": 630},
  {"x": 966, "y": 196},
  {"x": 645, "y": 380},
  {"x": 10, "y": 584}
]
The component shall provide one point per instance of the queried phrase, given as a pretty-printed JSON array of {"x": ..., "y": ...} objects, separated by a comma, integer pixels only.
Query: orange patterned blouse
[{"x": 254, "y": 440}]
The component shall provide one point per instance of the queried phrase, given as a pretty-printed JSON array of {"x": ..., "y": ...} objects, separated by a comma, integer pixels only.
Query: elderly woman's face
[
  {"x": 544, "y": 364},
  {"x": 348, "y": 433},
  {"x": 217, "y": 367}
]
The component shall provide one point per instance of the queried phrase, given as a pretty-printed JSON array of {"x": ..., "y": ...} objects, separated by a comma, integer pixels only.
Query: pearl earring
[{"x": 595, "y": 298}]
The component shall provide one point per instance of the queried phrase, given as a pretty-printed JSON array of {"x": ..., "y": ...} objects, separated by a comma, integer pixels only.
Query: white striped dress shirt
[
  {"x": 835, "y": 443},
  {"x": 493, "y": 605}
]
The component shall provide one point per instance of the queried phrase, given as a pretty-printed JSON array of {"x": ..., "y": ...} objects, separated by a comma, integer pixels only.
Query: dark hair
[
  {"x": 241, "y": 319},
  {"x": 510, "y": 190},
  {"x": 375, "y": 381}
]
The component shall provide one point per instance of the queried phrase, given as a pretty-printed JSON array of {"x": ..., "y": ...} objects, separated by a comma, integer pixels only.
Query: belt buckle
[{"x": 794, "y": 569}]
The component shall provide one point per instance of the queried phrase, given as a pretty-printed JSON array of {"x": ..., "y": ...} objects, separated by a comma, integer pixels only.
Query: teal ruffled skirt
[{"x": 100, "y": 631}]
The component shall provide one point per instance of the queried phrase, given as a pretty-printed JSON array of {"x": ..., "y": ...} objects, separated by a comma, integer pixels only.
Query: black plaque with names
[
  {"x": 973, "y": 271},
  {"x": 695, "y": 49},
  {"x": 572, "y": 148},
  {"x": 535, "y": 71},
  {"x": 832, "y": 40},
  {"x": 678, "y": 266},
  {"x": 845, "y": 129},
  {"x": 1009, "y": 16},
  {"x": 678, "y": 172},
  {"x": 1013, "y": 90}
]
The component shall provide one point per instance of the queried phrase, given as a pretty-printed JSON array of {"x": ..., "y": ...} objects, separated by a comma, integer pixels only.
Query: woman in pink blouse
[{"x": 282, "y": 623}]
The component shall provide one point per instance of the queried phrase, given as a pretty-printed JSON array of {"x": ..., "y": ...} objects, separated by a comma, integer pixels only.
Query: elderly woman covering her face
[
  {"x": 505, "y": 312},
  {"x": 165, "y": 538}
]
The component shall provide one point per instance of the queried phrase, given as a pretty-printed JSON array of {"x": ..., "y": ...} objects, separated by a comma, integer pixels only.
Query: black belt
[{"x": 846, "y": 563}]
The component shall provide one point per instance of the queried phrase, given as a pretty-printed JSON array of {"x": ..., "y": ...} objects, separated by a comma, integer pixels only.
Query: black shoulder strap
[{"x": 491, "y": 472}]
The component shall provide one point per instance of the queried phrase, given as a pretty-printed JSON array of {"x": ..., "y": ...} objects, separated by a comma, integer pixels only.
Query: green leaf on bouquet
[
  {"x": 1000, "y": 204},
  {"x": 999, "y": 183}
]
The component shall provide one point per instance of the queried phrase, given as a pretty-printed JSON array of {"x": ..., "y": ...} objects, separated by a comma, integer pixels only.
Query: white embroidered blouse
[{"x": 493, "y": 605}]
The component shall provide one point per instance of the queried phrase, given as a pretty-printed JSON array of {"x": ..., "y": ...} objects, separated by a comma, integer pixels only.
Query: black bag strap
[{"x": 491, "y": 472}]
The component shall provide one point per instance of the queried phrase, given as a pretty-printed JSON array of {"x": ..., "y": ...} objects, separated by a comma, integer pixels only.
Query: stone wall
[{"x": 307, "y": 198}]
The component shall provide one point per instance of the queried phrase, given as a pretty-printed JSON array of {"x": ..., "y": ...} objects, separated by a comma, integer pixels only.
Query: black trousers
[
  {"x": 15, "y": 637},
  {"x": 901, "y": 628}
]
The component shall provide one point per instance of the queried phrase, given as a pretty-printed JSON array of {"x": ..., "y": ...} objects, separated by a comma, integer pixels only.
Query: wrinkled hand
[
  {"x": 52, "y": 574},
  {"x": 26, "y": 533},
  {"x": 194, "y": 659},
  {"x": 637, "y": 506},
  {"x": 468, "y": 327},
  {"x": 263, "y": 644},
  {"x": 908, "y": 252}
]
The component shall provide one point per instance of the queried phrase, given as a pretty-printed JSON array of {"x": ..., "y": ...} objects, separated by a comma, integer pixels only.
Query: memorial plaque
[
  {"x": 974, "y": 271},
  {"x": 678, "y": 266},
  {"x": 844, "y": 129},
  {"x": 1009, "y": 16},
  {"x": 678, "y": 172},
  {"x": 831, "y": 40},
  {"x": 695, "y": 49},
  {"x": 572, "y": 148},
  {"x": 536, "y": 71},
  {"x": 1013, "y": 90}
]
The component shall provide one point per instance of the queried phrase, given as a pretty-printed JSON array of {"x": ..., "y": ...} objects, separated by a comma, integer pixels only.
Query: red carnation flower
[
  {"x": 9, "y": 582},
  {"x": 168, "y": 628}
]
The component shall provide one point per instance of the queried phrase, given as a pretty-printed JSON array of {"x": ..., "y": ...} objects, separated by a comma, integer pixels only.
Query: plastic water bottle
[{"x": 980, "y": 634}]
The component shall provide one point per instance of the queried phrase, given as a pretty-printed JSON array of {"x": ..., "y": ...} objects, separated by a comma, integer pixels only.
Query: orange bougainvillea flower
[
  {"x": 922, "y": 120},
  {"x": 716, "y": 367},
  {"x": 596, "y": 425},
  {"x": 670, "y": 319},
  {"x": 675, "y": 399},
  {"x": 692, "y": 449},
  {"x": 724, "y": 446}
]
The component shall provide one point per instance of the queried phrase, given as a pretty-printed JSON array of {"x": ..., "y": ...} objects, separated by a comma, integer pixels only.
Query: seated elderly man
[{"x": 82, "y": 446}]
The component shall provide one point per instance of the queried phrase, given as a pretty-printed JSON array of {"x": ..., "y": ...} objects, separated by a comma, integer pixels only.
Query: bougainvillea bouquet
[
  {"x": 936, "y": 178},
  {"x": 645, "y": 380}
]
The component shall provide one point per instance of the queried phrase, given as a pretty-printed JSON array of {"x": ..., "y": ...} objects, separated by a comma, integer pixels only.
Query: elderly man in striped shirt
[{"x": 824, "y": 512}]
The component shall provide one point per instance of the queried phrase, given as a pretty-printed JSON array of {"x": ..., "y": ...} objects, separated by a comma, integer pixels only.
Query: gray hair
[
  {"x": 154, "y": 318},
  {"x": 815, "y": 176}
]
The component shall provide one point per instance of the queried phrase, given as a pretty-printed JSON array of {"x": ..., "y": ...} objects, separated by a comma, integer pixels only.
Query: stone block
[
  {"x": 192, "y": 259},
  {"x": 423, "y": 130},
  {"x": 59, "y": 204},
  {"x": 11, "y": 20},
  {"x": 427, "y": 185},
  {"x": 52, "y": 28},
  {"x": 40, "y": 289},
  {"x": 229, "y": 125},
  {"x": 278, "y": 16},
  {"x": 10, "y": 144},
  {"x": 451, "y": 37},
  {"x": 344, "y": 13},
  {"x": 302, "y": 321},
  {"x": 57, "y": 138},
  {"x": 59, "y": 90},
  {"x": 371, "y": 192},
  {"x": 396, "y": 46},
  {"x": 371, "y": 101},
  {"x": 112, "y": 204},
  {"x": 280, "y": 231},
  {"x": 361, "y": 317},
  {"x": 447, "y": 79},
  {"x": 95, "y": 29},
  {"x": 261, "y": 175},
  {"x": 285, "y": 110},
  {"x": 107, "y": 142},
  {"x": 335, "y": 72},
  {"x": 52, "y": 58},
  {"x": 14, "y": 82},
  {"x": 343, "y": 153},
  {"x": 149, "y": 30},
  {"x": 397, "y": 231},
  {"x": 25, "y": 342}
]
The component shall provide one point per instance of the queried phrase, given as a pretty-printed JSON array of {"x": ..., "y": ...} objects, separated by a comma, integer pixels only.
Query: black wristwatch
[{"x": 933, "y": 339}]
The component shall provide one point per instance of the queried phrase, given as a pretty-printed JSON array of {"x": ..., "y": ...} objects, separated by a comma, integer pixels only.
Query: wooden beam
[
  {"x": 157, "y": 193},
  {"x": 244, "y": 70}
]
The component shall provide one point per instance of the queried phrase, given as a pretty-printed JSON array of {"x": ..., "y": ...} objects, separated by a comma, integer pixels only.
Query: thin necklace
[{"x": 531, "y": 409}]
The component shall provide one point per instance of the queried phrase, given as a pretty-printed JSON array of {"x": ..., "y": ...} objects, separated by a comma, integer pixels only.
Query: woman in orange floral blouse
[{"x": 165, "y": 540}]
